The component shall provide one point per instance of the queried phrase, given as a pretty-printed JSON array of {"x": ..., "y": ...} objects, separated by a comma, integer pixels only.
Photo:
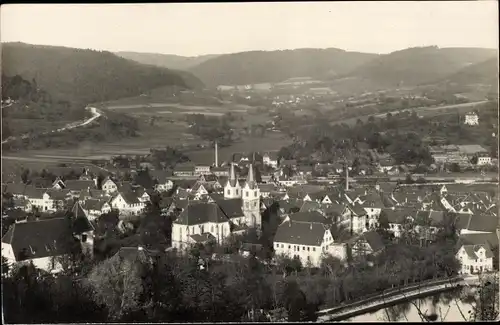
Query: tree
[
  {"x": 117, "y": 284},
  {"x": 486, "y": 299},
  {"x": 455, "y": 168}
]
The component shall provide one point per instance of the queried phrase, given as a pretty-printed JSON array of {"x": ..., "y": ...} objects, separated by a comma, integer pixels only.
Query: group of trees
[
  {"x": 211, "y": 128},
  {"x": 114, "y": 126},
  {"x": 32, "y": 104}
]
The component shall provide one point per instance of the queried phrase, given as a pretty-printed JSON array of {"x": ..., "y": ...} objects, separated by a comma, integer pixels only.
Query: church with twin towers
[{"x": 249, "y": 193}]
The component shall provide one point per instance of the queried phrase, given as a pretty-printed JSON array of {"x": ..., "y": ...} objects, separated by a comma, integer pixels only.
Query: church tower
[
  {"x": 251, "y": 201},
  {"x": 232, "y": 190}
]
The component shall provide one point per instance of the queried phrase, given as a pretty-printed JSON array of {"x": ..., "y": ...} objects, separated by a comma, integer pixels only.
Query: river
[{"x": 446, "y": 306}]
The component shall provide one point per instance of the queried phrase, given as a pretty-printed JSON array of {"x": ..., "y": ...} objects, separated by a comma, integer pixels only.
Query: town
[{"x": 268, "y": 184}]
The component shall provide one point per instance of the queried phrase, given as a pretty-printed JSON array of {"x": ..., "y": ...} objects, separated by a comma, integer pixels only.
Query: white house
[
  {"x": 483, "y": 160},
  {"x": 165, "y": 186},
  {"x": 201, "y": 170},
  {"x": 270, "y": 159},
  {"x": 47, "y": 200},
  {"x": 309, "y": 241},
  {"x": 471, "y": 118},
  {"x": 109, "y": 186},
  {"x": 127, "y": 203},
  {"x": 45, "y": 243},
  {"x": 475, "y": 258}
]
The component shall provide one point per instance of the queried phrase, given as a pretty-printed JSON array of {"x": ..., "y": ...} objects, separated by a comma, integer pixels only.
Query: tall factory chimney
[
  {"x": 216, "y": 155},
  {"x": 346, "y": 177}
]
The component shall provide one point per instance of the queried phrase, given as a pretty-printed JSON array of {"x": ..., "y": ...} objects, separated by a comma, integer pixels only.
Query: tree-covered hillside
[
  {"x": 29, "y": 110},
  {"x": 485, "y": 73},
  {"x": 275, "y": 66},
  {"x": 87, "y": 76},
  {"x": 421, "y": 65},
  {"x": 166, "y": 60}
]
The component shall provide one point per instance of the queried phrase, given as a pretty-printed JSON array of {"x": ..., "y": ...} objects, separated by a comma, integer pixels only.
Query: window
[
  {"x": 212, "y": 229},
  {"x": 237, "y": 192},
  {"x": 314, "y": 249},
  {"x": 246, "y": 193},
  {"x": 303, "y": 248},
  {"x": 84, "y": 238},
  {"x": 308, "y": 249},
  {"x": 254, "y": 193},
  {"x": 288, "y": 246},
  {"x": 283, "y": 246},
  {"x": 201, "y": 227},
  {"x": 228, "y": 192}
]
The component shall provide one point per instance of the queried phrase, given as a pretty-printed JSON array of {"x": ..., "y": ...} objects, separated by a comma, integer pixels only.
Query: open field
[
  {"x": 16, "y": 165},
  {"x": 270, "y": 142},
  {"x": 422, "y": 111},
  {"x": 141, "y": 145}
]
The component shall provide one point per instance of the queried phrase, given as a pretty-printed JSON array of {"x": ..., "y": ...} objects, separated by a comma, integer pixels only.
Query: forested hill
[
  {"x": 276, "y": 66},
  {"x": 485, "y": 73},
  {"x": 166, "y": 60},
  {"x": 87, "y": 76},
  {"x": 421, "y": 65}
]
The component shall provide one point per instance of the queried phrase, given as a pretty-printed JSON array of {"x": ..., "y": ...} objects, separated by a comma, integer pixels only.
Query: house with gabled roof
[
  {"x": 220, "y": 171},
  {"x": 313, "y": 216},
  {"x": 307, "y": 241},
  {"x": 474, "y": 224},
  {"x": 79, "y": 185},
  {"x": 162, "y": 181},
  {"x": 94, "y": 208},
  {"x": 184, "y": 170},
  {"x": 398, "y": 218},
  {"x": 367, "y": 243},
  {"x": 475, "y": 259},
  {"x": 46, "y": 242},
  {"x": 40, "y": 199},
  {"x": 127, "y": 203},
  {"x": 58, "y": 184},
  {"x": 109, "y": 186}
]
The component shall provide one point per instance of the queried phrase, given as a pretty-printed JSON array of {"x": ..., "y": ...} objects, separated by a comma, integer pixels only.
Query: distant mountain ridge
[
  {"x": 485, "y": 72},
  {"x": 87, "y": 76},
  {"x": 421, "y": 65},
  {"x": 170, "y": 61},
  {"x": 276, "y": 66}
]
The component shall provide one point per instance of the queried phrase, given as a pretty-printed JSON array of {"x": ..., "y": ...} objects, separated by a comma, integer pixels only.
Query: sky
[{"x": 217, "y": 28}]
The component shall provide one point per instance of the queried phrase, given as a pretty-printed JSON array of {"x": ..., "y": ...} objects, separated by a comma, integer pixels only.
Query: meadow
[{"x": 164, "y": 124}]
